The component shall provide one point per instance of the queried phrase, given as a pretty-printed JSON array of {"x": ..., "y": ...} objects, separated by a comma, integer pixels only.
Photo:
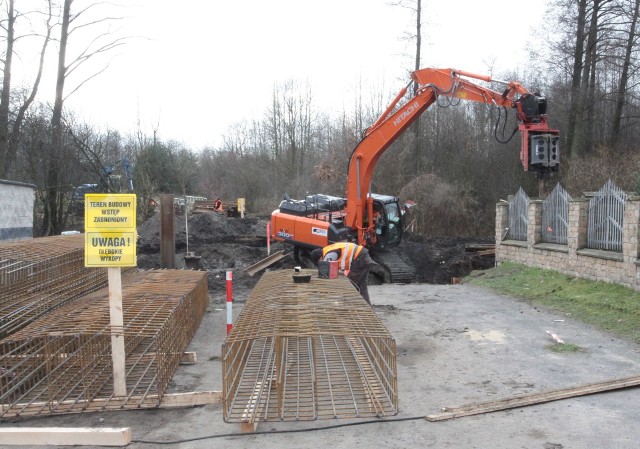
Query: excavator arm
[{"x": 539, "y": 143}]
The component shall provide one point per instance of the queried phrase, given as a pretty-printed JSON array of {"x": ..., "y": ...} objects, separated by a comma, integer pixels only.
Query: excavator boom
[
  {"x": 537, "y": 137},
  {"x": 376, "y": 220}
]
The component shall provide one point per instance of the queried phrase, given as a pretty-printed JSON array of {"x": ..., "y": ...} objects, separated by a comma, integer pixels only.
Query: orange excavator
[{"x": 319, "y": 220}]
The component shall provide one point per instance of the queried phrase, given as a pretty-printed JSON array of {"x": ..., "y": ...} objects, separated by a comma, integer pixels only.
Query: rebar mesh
[
  {"x": 62, "y": 363},
  {"x": 40, "y": 275},
  {"x": 304, "y": 351}
]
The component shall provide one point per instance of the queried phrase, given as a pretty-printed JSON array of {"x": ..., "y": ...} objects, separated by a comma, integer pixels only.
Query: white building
[{"x": 16, "y": 210}]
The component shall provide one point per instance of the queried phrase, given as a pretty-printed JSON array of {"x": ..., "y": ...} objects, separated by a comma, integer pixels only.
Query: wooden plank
[
  {"x": 249, "y": 423},
  {"x": 248, "y": 427},
  {"x": 170, "y": 400},
  {"x": 117, "y": 332},
  {"x": 191, "y": 399},
  {"x": 189, "y": 358},
  {"x": 533, "y": 398},
  {"x": 65, "y": 436},
  {"x": 264, "y": 263}
]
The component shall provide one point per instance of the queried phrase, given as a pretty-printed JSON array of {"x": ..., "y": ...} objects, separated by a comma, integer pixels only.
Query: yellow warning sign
[
  {"x": 110, "y": 230},
  {"x": 109, "y": 211},
  {"x": 110, "y": 249}
]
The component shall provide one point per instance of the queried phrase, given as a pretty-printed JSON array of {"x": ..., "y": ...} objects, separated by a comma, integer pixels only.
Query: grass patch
[
  {"x": 565, "y": 347},
  {"x": 612, "y": 308}
]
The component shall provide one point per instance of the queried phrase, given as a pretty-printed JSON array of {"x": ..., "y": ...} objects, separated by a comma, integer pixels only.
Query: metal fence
[
  {"x": 606, "y": 214},
  {"x": 555, "y": 216},
  {"x": 518, "y": 220}
]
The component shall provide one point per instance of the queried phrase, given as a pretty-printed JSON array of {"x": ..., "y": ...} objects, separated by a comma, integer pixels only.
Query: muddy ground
[{"x": 225, "y": 243}]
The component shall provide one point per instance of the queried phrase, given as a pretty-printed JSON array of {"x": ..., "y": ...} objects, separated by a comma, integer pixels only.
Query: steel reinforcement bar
[
  {"x": 304, "y": 351},
  {"x": 40, "y": 275},
  {"x": 62, "y": 363}
]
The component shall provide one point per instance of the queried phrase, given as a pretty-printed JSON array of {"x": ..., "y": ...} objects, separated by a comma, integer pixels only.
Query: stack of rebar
[
  {"x": 304, "y": 351},
  {"x": 40, "y": 275},
  {"x": 62, "y": 363}
]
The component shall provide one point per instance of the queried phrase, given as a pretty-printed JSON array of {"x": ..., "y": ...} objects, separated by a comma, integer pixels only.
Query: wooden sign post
[{"x": 110, "y": 241}]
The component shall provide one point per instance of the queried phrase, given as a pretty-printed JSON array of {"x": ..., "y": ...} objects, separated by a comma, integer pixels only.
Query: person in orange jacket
[{"x": 354, "y": 259}]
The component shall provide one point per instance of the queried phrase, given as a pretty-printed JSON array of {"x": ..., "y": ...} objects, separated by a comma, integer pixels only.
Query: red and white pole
[
  {"x": 268, "y": 238},
  {"x": 229, "y": 302}
]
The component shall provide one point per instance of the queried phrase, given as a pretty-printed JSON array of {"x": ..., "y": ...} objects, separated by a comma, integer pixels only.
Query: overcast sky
[{"x": 199, "y": 66}]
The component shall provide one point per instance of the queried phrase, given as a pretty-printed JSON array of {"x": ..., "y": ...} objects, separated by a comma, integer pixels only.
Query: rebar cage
[
  {"x": 305, "y": 351},
  {"x": 39, "y": 275},
  {"x": 62, "y": 363}
]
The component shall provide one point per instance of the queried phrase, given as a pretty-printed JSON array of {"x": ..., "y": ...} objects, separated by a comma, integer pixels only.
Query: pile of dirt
[
  {"x": 222, "y": 243},
  {"x": 437, "y": 260},
  {"x": 226, "y": 243}
]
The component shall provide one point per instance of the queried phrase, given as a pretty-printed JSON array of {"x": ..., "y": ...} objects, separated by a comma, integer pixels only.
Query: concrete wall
[
  {"x": 574, "y": 259},
  {"x": 16, "y": 210}
]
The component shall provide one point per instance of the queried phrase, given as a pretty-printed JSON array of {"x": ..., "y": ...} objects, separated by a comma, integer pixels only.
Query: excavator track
[{"x": 396, "y": 271}]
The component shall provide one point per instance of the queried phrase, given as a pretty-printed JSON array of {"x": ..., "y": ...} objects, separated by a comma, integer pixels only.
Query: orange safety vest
[{"x": 348, "y": 253}]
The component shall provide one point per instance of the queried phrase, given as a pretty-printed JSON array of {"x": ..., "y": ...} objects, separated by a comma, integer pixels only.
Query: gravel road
[{"x": 457, "y": 344}]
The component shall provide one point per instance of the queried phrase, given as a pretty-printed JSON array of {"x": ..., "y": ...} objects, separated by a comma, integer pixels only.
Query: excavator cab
[{"x": 387, "y": 221}]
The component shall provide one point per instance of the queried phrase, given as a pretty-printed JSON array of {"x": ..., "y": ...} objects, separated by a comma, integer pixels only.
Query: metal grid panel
[
  {"x": 62, "y": 363},
  {"x": 308, "y": 351},
  {"x": 606, "y": 218},
  {"x": 39, "y": 275},
  {"x": 555, "y": 216},
  {"x": 518, "y": 218}
]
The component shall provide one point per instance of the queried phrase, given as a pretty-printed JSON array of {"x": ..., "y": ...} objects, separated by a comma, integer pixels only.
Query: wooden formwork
[
  {"x": 62, "y": 363},
  {"x": 305, "y": 351}
]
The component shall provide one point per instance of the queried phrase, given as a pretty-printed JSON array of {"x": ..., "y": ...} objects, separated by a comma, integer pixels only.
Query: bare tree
[
  {"x": 621, "y": 94},
  {"x": 99, "y": 44},
  {"x": 10, "y": 130},
  {"x": 290, "y": 123},
  {"x": 416, "y": 142},
  {"x": 186, "y": 167}
]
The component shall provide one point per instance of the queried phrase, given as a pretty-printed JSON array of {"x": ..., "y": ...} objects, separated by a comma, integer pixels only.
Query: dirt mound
[
  {"x": 436, "y": 260},
  {"x": 225, "y": 243},
  {"x": 204, "y": 229}
]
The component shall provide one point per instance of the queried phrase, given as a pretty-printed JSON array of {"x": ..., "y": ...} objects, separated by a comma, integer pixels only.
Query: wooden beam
[
  {"x": 533, "y": 398},
  {"x": 249, "y": 427},
  {"x": 191, "y": 399},
  {"x": 118, "y": 355},
  {"x": 264, "y": 263},
  {"x": 65, "y": 436},
  {"x": 189, "y": 358},
  {"x": 170, "y": 400}
]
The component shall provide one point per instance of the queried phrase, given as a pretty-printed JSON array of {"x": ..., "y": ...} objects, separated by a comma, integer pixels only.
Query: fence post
[
  {"x": 534, "y": 225},
  {"x": 502, "y": 223},
  {"x": 229, "y": 284},
  {"x": 577, "y": 232},
  {"x": 631, "y": 234}
]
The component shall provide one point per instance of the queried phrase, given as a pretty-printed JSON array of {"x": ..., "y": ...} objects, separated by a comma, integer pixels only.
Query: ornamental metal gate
[
  {"x": 518, "y": 220},
  {"x": 606, "y": 216},
  {"x": 555, "y": 216}
]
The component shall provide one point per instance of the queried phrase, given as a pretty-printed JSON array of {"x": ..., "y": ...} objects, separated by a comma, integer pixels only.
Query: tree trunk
[
  {"x": 5, "y": 97},
  {"x": 578, "y": 57},
  {"x": 578, "y": 137},
  {"x": 417, "y": 150},
  {"x": 624, "y": 78},
  {"x": 54, "y": 205}
]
